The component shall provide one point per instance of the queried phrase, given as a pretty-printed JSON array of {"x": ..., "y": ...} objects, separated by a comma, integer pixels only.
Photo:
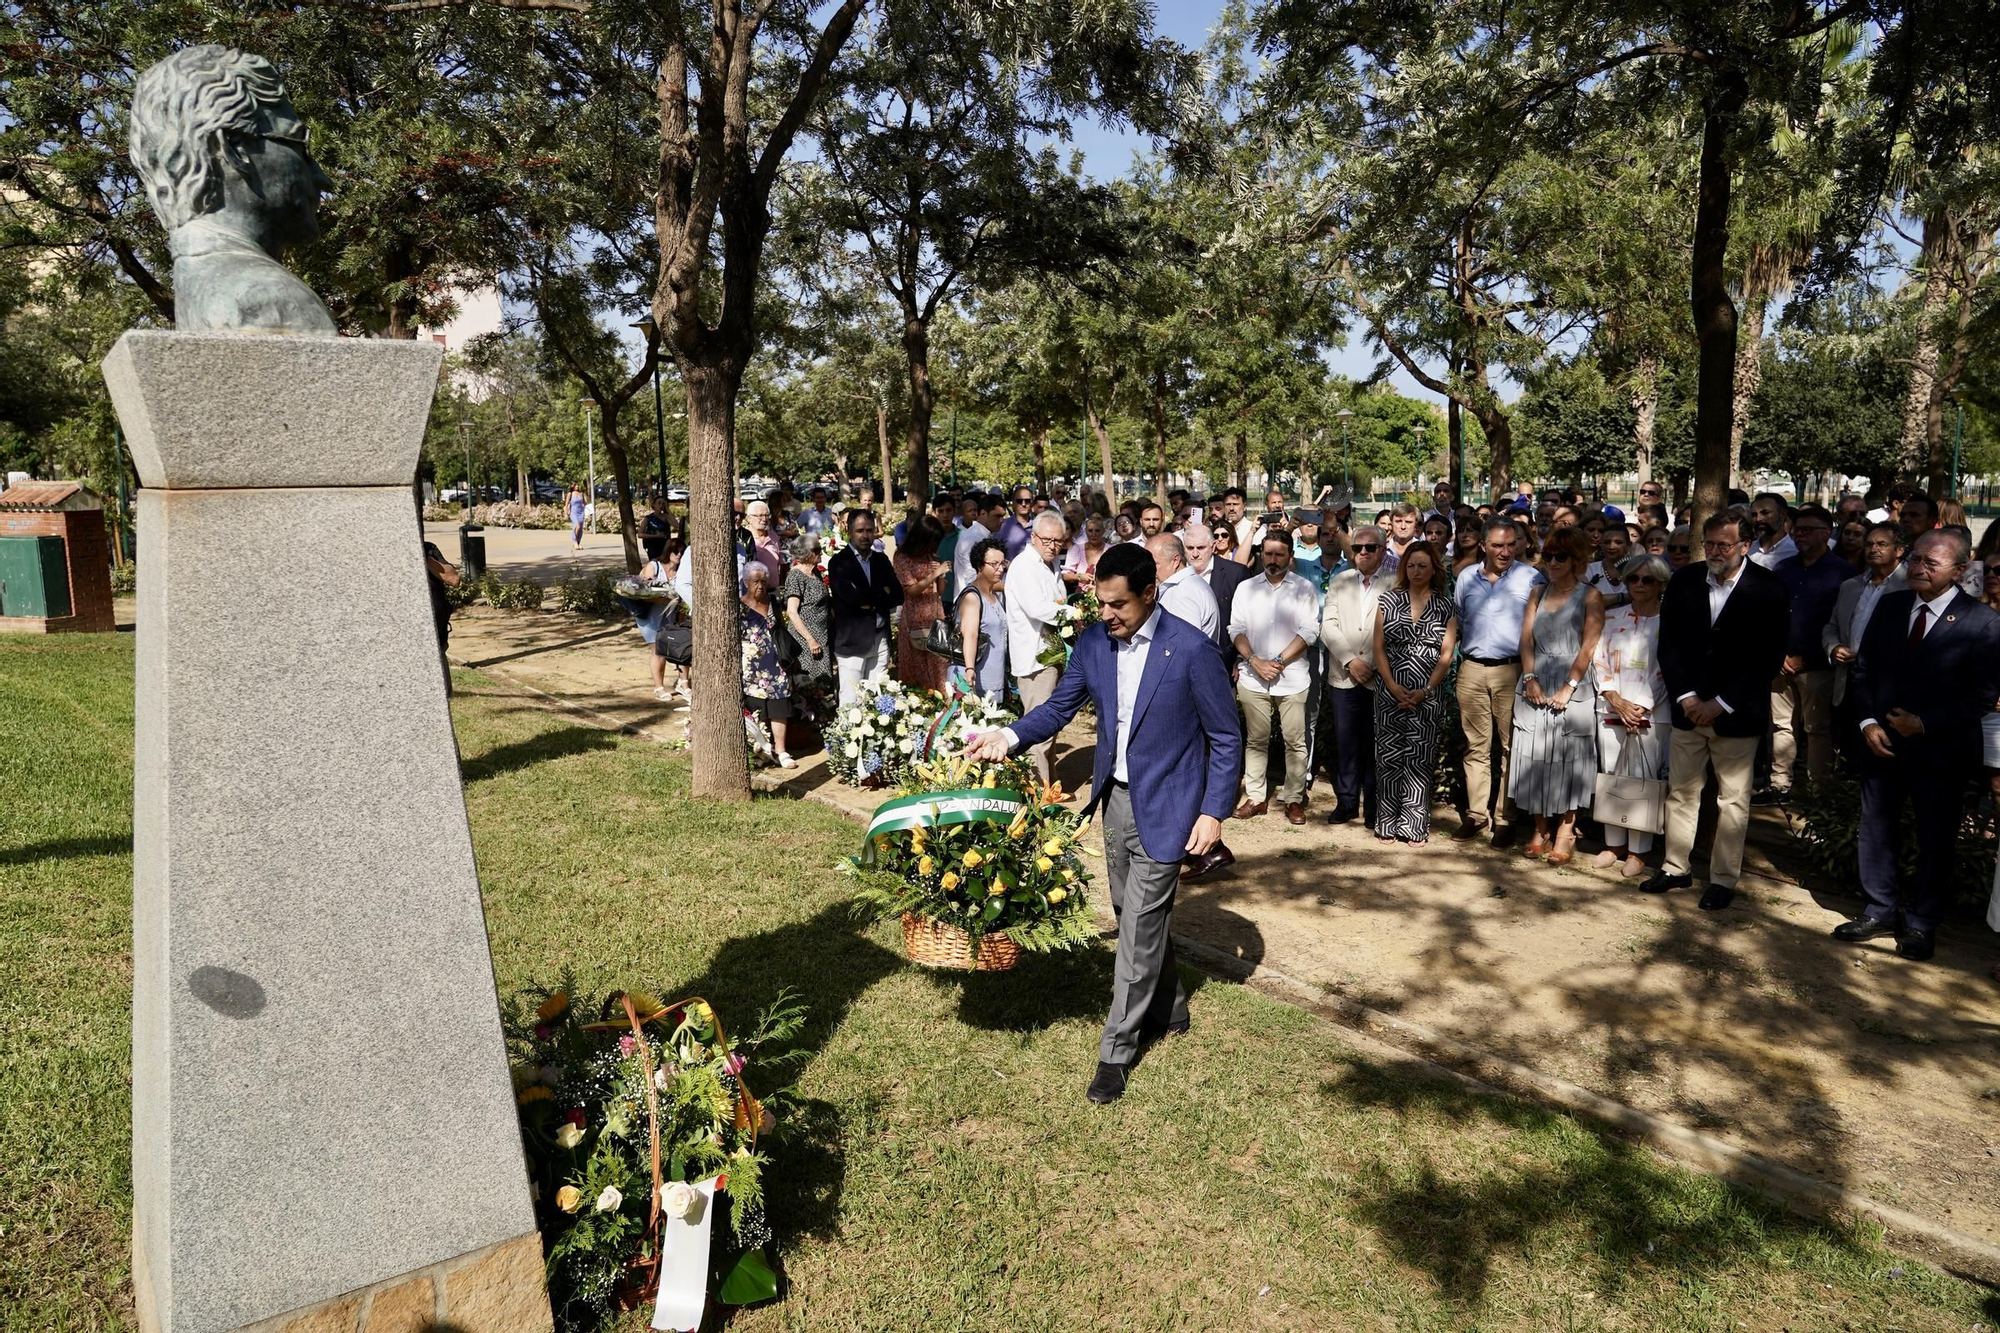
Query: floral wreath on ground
[
  {"x": 875, "y": 741},
  {"x": 995, "y": 853},
  {"x": 1072, "y": 618},
  {"x": 581, "y": 1088}
]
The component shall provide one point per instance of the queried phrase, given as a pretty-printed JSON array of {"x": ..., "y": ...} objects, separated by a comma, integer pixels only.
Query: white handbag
[{"x": 1631, "y": 800}]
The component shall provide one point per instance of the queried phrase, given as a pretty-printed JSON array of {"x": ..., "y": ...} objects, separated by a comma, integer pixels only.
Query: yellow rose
[
  {"x": 1057, "y": 895},
  {"x": 1020, "y": 825},
  {"x": 553, "y": 1008},
  {"x": 1043, "y": 863},
  {"x": 996, "y": 890},
  {"x": 1069, "y": 876},
  {"x": 925, "y": 865},
  {"x": 1053, "y": 847},
  {"x": 569, "y": 1198},
  {"x": 972, "y": 858},
  {"x": 950, "y": 880}
]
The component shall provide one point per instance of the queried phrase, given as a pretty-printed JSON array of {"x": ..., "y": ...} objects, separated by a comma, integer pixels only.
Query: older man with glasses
[{"x": 1034, "y": 591}]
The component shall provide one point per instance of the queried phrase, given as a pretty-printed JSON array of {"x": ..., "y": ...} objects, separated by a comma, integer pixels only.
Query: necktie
[{"x": 1917, "y": 626}]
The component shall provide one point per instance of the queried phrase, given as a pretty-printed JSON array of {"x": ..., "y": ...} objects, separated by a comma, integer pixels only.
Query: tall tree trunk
[
  {"x": 1499, "y": 433},
  {"x": 1103, "y": 453},
  {"x": 1039, "y": 436},
  {"x": 1454, "y": 434},
  {"x": 1239, "y": 472},
  {"x": 917, "y": 347},
  {"x": 715, "y": 727},
  {"x": 1749, "y": 368},
  {"x": 1708, "y": 300},
  {"x": 1914, "y": 453},
  {"x": 888, "y": 496},
  {"x": 1160, "y": 437},
  {"x": 613, "y": 441},
  {"x": 1645, "y": 412}
]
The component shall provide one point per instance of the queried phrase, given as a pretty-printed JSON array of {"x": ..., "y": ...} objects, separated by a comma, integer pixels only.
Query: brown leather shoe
[
  {"x": 1251, "y": 809},
  {"x": 1296, "y": 812}
]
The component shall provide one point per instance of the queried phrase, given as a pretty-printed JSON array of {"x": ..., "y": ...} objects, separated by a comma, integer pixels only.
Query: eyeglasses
[
  {"x": 1720, "y": 546},
  {"x": 1678, "y": 550},
  {"x": 1367, "y": 546}
]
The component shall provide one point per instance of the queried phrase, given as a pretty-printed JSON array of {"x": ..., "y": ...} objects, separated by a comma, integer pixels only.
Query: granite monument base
[{"x": 322, "y": 1115}]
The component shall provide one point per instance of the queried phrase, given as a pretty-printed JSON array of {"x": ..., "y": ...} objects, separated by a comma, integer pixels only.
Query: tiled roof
[{"x": 48, "y": 495}]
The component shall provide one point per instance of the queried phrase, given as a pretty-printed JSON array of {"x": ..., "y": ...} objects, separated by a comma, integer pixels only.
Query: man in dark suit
[
  {"x": 1723, "y": 627},
  {"x": 1168, "y": 749},
  {"x": 1928, "y": 675},
  {"x": 864, "y": 589}
]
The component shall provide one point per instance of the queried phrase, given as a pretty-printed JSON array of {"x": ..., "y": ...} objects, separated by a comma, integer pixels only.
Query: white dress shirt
[
  {"x": 1033, "y": 593},
  {"x": 1132, "y": 654},
  {"x": 1270, "y": 615},
  {"x": 974, "y": 533},
  {"x": 1935, "y": 608},
  {"x": 1784, "y": 550},
  {"x": 1718, "y": 597},
  {"x": 1188, "y": 596}
]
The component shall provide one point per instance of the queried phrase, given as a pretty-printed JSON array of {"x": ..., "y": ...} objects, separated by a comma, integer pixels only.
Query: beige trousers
[
  {"x": 1486, "y": 706},
  {"x": 1734, "y": 759},
  {"x": 1035, "y": 690},
  {"x": 1801, "y": 704},
  {"x": 1257, "y": 710}
]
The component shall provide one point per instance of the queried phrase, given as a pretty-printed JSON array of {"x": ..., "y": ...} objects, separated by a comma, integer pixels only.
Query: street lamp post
[
  {"x": 645, "y": 324},
  {"x": 465, "y": 439},
  {"x": 1346, "y": 479},
  {"x": 589, "y": 451}
]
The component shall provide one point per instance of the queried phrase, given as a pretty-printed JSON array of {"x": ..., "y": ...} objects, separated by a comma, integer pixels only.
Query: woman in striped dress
[{"x": 1416, "y": 633}]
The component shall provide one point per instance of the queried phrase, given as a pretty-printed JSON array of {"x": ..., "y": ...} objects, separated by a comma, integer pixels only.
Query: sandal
[
  {"x": 1536, "y": 848},
  {"x": 1562, "y": 855}
]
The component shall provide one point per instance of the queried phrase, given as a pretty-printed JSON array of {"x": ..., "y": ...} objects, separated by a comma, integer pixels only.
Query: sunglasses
[
  {"x": 1642, "y": 579},
  {"x": 1367, "y": 546},
  {"x": 1558, "y": 557},
  {"x": 1679, "y": 550}
]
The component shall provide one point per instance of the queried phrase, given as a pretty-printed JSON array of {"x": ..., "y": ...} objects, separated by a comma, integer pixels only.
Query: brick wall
[{"x": 89, "y": 554}]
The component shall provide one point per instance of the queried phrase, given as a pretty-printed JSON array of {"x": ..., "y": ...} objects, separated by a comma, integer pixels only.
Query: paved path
[{"x": 1750, "y": 1024}]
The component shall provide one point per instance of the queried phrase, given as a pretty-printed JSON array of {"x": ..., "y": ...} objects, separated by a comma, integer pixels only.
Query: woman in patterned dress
[
  {"x": 920, "y": 572},
  {"x": 1416, "y": 633},
  {"x": 767, "y": 691},
  {"x": 809, "y": 611},
  {"x": 1554, "y": 769},
  {"x": 1631, "y": 697}
]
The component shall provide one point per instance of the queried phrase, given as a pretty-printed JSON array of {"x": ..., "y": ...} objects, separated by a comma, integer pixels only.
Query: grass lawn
[{"x": 945, "y": 1171}]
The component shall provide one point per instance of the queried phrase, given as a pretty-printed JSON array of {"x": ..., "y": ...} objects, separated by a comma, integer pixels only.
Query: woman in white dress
[{"x": 1631, "y": 699}]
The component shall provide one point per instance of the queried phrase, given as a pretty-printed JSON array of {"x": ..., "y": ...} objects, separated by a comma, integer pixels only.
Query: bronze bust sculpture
[{"x": 223, "y": 157}]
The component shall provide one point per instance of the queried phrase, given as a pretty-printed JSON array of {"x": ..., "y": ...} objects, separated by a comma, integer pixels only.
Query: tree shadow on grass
[
  {"x": 63, "y": 849},
  {"x": 1634, "y": 1215},
  {"x": 539, "y": 749}
]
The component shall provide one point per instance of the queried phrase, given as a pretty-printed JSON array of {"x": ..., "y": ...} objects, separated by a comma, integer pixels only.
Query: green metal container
[{"x": 34, "y": 577}]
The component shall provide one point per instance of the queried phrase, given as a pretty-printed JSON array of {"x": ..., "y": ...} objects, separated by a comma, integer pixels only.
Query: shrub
[
  {"x": 523, "y": 596},
  {"x": 1827, "y": 820},
  {"x": 589, "y": 595},
  {"x": 125, "y": 578}
]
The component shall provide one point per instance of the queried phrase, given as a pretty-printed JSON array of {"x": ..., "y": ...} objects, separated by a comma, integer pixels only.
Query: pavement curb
[{"x": 1479, "y": 1070}]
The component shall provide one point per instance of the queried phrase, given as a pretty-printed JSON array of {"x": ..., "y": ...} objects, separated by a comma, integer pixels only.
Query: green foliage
[
  {"x": 1576, "y": 422},
  {"x": 1827, "y": 820},
  {"x": 1831, "y": 395},
  {"x": 589, "y": 595},
  {"x": 523, "y": 596}
]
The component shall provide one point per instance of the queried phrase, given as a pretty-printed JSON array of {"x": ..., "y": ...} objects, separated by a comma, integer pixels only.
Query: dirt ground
[{"x": 1750, "y": 1024}]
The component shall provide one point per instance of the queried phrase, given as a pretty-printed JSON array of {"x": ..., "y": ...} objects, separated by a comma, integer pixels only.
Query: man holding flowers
[
  {"x": 1165, "y": 786},
  {"x": 1034, "y": 592}
]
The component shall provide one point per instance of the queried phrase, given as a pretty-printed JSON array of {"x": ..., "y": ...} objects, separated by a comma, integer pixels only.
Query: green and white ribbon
[{"x": 995, "y": 805}]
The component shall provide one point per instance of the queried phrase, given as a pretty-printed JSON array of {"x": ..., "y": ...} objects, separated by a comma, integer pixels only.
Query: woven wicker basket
[{"x": 935, "y": 944}]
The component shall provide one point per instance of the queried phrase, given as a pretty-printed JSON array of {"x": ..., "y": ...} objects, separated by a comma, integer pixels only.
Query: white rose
[
  {"x": 853, "y": 750},
  {"x": 682, "y": 1200},
  {"x": 570, "y": 1134},
  {"x": 609, "y": 1200},
  {"x": 906, "y": 745}
]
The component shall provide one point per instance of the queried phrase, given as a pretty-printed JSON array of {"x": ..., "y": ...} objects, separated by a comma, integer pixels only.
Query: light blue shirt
[{"x": 1490, "y": 612}]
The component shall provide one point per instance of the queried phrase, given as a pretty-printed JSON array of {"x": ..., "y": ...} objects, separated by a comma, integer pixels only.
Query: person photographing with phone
[{"x": 1168, "y": 747}]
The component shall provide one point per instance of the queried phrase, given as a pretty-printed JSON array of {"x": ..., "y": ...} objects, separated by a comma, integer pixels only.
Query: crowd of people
[{"x": 1557, "y": 672}]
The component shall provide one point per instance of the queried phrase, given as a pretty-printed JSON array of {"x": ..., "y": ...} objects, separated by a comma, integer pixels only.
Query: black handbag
[{"x": 946, "y": 639}]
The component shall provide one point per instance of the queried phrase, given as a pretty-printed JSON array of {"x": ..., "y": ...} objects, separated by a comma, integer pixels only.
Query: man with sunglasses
[
  {"x": 1802, "y": 694},
  {"x": 1724, "y": 624},
  {"x": 1013, "y": 532},
  {"x": 1347, "y": 630}
]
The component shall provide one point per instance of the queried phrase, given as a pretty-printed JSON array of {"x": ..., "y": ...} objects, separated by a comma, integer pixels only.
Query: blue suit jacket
[
  {"x": 1186, "y": 741},
  {"x": 1949, "y": 680}
]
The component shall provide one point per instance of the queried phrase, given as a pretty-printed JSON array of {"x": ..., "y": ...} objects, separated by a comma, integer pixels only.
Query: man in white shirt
[
  {"x": 1771, "y": 529},
  {"x": 990, "y": 511},
  {"x": 1242, "y": 523},
  {"x": 1347, "y": 629},
  {"x": 1034, "y": 591},
  {"x": 1274, "y": 624},
  {"x": 1183, "y": 592}
]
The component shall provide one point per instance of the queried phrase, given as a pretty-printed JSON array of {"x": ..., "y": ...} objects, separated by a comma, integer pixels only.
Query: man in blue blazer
[
  {"x": 1168, "y": 749},
  {"x": 1928, "y": 675}
]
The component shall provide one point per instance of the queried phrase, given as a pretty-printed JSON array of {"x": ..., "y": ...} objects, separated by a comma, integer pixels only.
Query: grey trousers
[{"x": 1146, "y": 989}]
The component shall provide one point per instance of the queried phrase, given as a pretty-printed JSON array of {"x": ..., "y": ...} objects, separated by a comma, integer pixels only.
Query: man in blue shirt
[
  {"x": 1013, "y": 534},
  {"x": 1492, "y": 598},
  {"x": 1802, "y": 695}
]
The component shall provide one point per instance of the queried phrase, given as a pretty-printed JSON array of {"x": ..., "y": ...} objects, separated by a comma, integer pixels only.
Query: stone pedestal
[{"x": 322, "y": 1121}]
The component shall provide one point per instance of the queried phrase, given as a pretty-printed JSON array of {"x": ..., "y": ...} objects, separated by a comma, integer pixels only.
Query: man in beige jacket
[{"x": 1347, "y": 703}]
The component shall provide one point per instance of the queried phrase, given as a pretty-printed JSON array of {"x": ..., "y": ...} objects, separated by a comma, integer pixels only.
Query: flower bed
[
  {"x": 963, "y": 851},
  {"x": 590, "y": 1092}
]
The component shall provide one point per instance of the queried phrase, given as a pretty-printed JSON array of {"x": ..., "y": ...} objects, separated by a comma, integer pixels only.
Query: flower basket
[{"x": 936, "y": 944}]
